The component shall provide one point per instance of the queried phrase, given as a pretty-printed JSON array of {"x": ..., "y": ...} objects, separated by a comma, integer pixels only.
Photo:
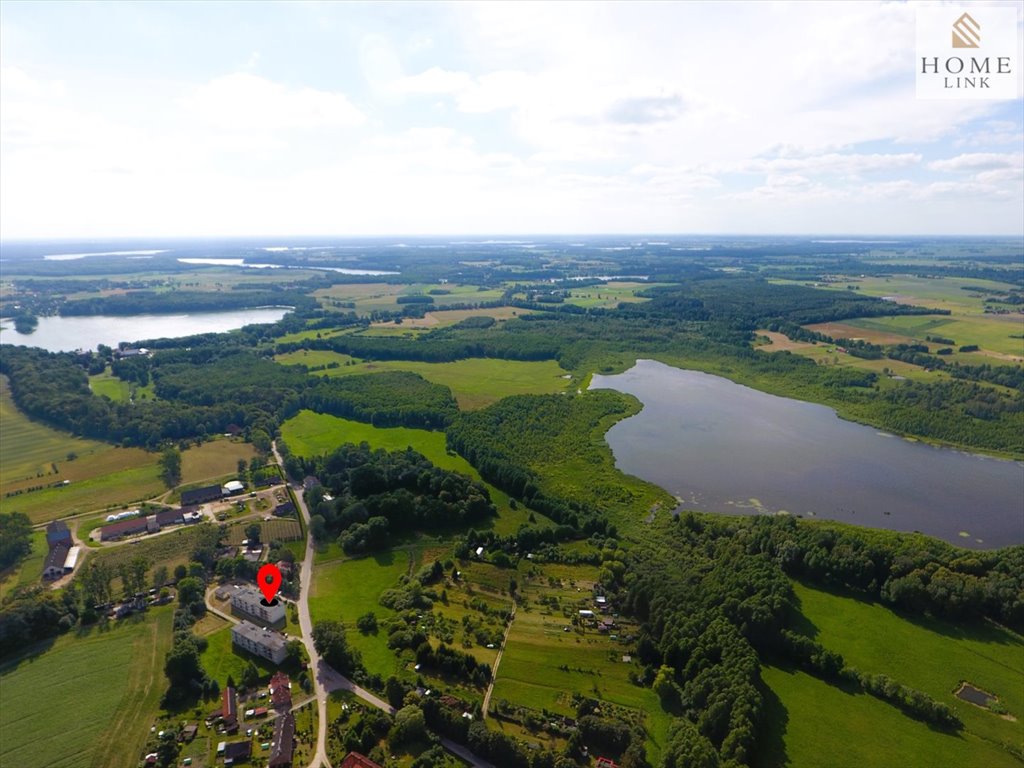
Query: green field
[
  {"x": 28, "y": 448},
  {"x": 270, "y": 530},
  {"x": 990, "y": 332},
  {"x": 220, "y": 659},
  {"x": 475, "y": 382},
  {"x": 609, "y": 295},
  {"x": 369, "y": 297},
  {"x": 171, "y": 549},
  {"x": 214, "y": 459},
  {"x": 85, "y": 701},
  {"x": 811, "y": 723},
  {"x": 931, "y": 656},
  {"x": 345, "y": 590},
  {"x": 106, "y": 384}
]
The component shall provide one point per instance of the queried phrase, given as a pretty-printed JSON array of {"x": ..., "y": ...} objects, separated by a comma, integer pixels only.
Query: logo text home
[{"x": 967, "y": 55}]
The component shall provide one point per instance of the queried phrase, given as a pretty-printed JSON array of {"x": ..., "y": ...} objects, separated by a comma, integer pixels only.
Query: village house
[
  {"x": 267, "y": 643},
  {"x": 355, "y": 760},
  {"x": 249, "y": 601},
  {"x": 280, "y": 691},
  {"x": 237, "y": 752},
  {"x": 283, "y": 742},
  {"x": 229, "y": 707}
]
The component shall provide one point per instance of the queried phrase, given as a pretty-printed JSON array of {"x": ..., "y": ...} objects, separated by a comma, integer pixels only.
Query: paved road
[{"x": 326, "y": 678}]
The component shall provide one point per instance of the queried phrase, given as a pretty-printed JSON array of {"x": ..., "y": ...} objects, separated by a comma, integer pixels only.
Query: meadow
[
  {"x": 107, "y": 684},
  {"x": 220, "y": 659},
  {"x": 345, "y": 590},
  {"x": 29, "y": 570},
  {"x": 928, "y": 655},
  {"x": 609, "y": 295},
  {"x": 370, "y": 297},
  {"x": 811, "y": 723},
  {"x": 215, "y": 459},
  {"x": 475, "y": 382},
  {"x": 270, "y": 530},
  {"x": 171, "y": 549}
]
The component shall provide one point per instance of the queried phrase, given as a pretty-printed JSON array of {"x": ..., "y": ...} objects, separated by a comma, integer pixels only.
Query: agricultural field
[
  {"x": 111, "y": 703},
  {"x": 447, "y": 317},
  {"x": 371, "y": 297},
  {"x": 609, "y": 295},
  {"x": 215, "y": 459},
  {"x": 270, "y": 530},
  {"x": 808, "y": 718},
  {"x": 475, "y": 382},
  {"x": 928, "y": 655},
  {"x": 171, "y": 549},
  {"x": 28, "y": 449}
]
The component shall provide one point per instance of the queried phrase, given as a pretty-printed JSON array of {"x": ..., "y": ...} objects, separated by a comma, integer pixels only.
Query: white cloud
[{"x": 981, "y": 161}]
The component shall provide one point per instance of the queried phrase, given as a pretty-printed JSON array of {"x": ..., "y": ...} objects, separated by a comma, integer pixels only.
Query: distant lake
[
  {"x": 66, "y": 334},
  {"x": 722, "y": 447}
]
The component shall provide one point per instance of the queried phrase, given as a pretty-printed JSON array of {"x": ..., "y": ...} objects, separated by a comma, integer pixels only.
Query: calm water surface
[
  {"x": 722, "y": 447},
  {"x": 66, "y": 334}
]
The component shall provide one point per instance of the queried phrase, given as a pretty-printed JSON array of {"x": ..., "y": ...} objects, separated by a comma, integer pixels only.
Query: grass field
[
  {"x": 811, "y": 723},
  {"x": 220, "y": 659},
  {"x": 106, "y": 384},
  {"x": 28, "y": 448},
  {"x": 609, "y": 295},
  {"x": 475, "y": 382},
  {"x": 217, "y": 458},
  {"x": 928, "y": 655},
  {"x": 106, "y": 684},
  {"x": 369, "y": 297},
  {"x": 171, "y": 549},
  {"x": 345, "y": 590}
]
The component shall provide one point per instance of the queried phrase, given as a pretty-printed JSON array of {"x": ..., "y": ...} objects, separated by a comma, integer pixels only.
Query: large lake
[
  {"x": 722, "y": 447},
  {"x": 66, "y": 334}
]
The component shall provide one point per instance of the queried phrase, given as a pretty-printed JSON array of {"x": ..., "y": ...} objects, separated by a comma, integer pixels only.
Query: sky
[{"x": 305, "y": 118}]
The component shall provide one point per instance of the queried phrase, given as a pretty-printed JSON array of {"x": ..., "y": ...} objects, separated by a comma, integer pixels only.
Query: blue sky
[{"x": 191, "y": 119}]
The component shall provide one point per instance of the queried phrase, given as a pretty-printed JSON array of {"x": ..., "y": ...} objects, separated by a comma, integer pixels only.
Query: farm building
[
  {"x": 57, "y": 532},
  {"x": 229, "y": 706},
  {"x": 72, "y": 559},
  {"x": 355, "y": 760},
  {"x": 237, "y": 752},
  {"x": 284, "y": 510},
  {"x": 249, "y": 601},
  {"x": 130, "y": 527},
  {"x": 188, "y": 733},
  {"x": 53, "y": 568},
  {"x": 280, "y": 691},
  {"x": 586, "y": 614},
  {"x": 169, "y": 517},
  {"x": 232, "y": 487},
  {"x": 283, "y": 743},
  {"x": 201, "y": 495},
  {"x": 267, "y": 643}
]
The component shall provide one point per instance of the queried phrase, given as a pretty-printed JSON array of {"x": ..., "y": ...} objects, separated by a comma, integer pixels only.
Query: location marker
[{"x": 268, "y": 579}]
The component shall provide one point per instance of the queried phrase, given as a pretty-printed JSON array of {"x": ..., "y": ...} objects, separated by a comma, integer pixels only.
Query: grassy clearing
[
  {"x": 475, "y": 382},
  {"x": 346, "y": 590},
  {"x": 28, "y": 448},
  {"x": 220, "y": 659},
  {"x": 931, "y": 656},
  {"x": 105, "y": 682},
  {"x": 446, "y": 317},
  {"x": 608, "y": 295},
  {"x": 811, "y": 723},
  {"x": 214, "y": 459}
]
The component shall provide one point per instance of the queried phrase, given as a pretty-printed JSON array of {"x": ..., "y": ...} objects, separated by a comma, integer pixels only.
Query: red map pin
[{"x": 269, "y": 581}]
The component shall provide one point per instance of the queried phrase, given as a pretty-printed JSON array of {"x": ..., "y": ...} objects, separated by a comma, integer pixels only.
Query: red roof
[
  {"x": 355, "y": 760},
  {"x": 229, "y": 708},
  {"x": 280, "y": 690},
  {"x": 604, "y": 762}
]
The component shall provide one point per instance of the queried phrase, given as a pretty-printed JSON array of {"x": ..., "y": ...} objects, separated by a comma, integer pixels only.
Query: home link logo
[
  {"x": 966, "y": 32},
  {"x": 967, "y": 55}
]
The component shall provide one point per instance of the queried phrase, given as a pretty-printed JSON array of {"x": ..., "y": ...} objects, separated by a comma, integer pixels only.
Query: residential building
[
  {"x": 267, "y": 643},
  {"x": 283, "y": 743},
  {"x": 284, "y": 510},
  {"x": 229, "y": 706},
  {"x": 355, "y": 760},
  {"x": 249, "y": 601},
  {"x": 237, "y": 752},
  {"x": 280, "y": 691},
  {"x": 57, "y": 533}
]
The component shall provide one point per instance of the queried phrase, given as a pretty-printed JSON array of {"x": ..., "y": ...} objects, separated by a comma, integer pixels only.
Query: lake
[
  {"x": 66, "y": 334},
  {"x": 722, "y": 447}
]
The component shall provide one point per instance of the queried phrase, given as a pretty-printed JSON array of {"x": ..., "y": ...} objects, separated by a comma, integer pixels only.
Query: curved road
[{"x": 326, "y": 678}]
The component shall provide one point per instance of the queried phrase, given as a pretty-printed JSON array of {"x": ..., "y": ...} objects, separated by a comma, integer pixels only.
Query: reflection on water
[{"x": 722, "y": 447}]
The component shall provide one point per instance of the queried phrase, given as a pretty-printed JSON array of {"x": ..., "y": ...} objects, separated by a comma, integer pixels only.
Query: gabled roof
[
  {"x": 283, "y": 741},
  {"x": 355, "y": 760},
  {"x": 58, "y": 554}
]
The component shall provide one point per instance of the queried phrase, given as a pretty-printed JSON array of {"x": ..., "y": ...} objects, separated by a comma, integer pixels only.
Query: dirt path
[{"x": 497, "y": 660}]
